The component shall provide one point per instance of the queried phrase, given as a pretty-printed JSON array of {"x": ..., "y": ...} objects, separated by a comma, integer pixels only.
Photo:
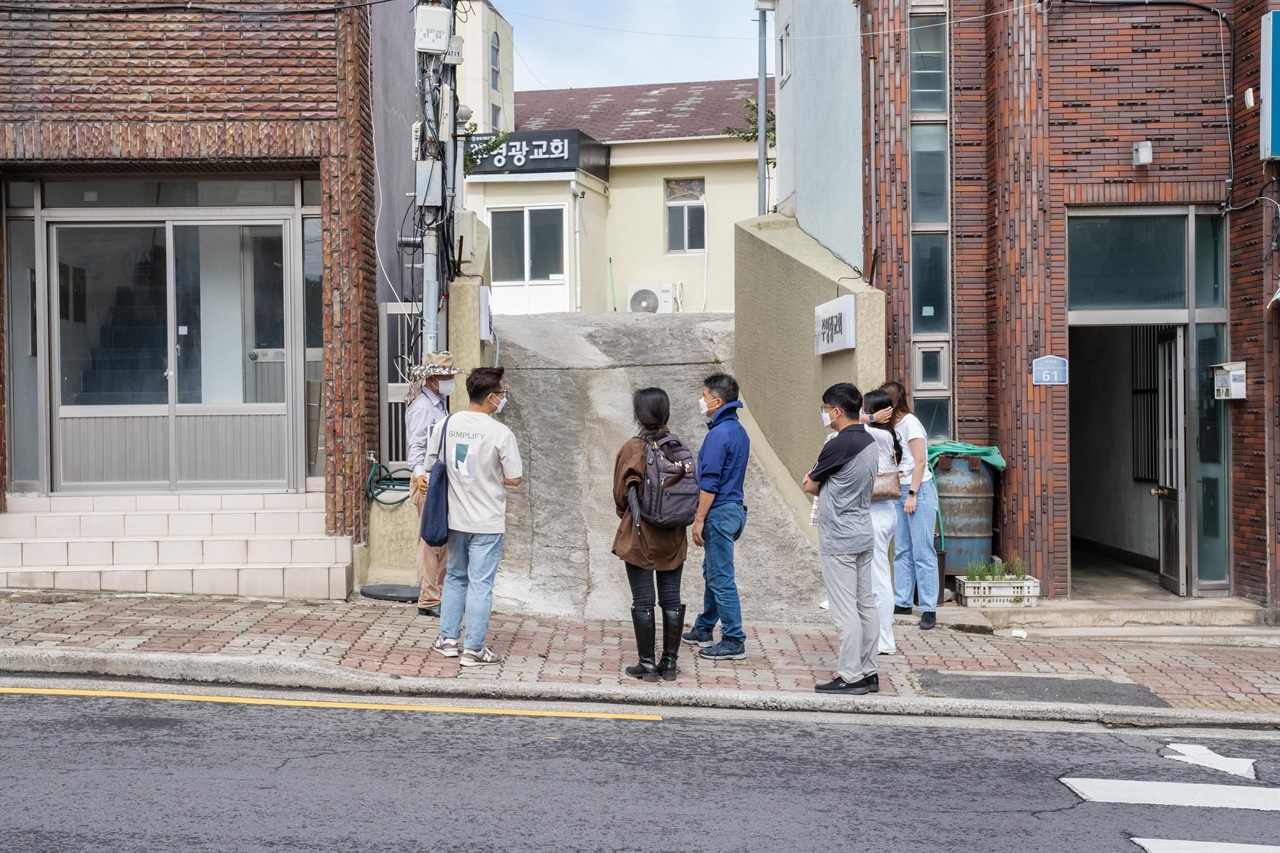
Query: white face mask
[
  {"x": 447, "y": 387},
  {"x": 501, "y": 402},
  {"x": 826, "y": 419},
  {"x": 702, "y": 405}
]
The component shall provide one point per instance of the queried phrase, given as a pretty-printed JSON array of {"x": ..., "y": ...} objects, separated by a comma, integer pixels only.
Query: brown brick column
[
  {"x": 1030, "y": 321},
  {"x": 1255, "y": 340},
  {"x": 350, "y": 293}
]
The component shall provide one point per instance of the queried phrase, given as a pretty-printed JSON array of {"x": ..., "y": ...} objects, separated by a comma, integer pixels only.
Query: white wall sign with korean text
[{"x": 834, "y": 326}]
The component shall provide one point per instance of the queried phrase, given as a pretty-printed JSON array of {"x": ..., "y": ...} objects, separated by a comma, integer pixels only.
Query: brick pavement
[{"x": 391, "y": 639}]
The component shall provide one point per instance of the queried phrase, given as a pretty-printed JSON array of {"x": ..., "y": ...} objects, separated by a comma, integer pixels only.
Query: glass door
[
  {"x": 109, "y": 305},
  {"x": 173, "y": 356},
  {"x": 1172, "y": 463}
]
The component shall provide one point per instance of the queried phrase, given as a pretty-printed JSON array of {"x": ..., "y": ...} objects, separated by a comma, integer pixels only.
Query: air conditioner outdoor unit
[{"x": 651, "y": 298}]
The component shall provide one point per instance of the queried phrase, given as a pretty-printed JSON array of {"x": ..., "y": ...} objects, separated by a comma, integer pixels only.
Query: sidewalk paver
[{"x": 391, "y": 639}]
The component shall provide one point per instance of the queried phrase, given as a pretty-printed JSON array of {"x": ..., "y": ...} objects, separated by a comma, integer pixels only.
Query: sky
[{"x": 564, "y": 44}]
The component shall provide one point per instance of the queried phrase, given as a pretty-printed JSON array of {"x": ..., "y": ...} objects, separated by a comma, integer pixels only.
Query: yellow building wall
[{"x": 638, "y": 230}]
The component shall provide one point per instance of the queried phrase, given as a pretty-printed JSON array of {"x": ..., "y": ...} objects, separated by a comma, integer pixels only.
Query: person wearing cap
[{"x": 431, "y": 383}]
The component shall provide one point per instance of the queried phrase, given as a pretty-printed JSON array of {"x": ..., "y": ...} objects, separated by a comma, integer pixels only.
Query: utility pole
[
  {"x": 763, "y": 7},
  {"x": 437, "y": 54}
]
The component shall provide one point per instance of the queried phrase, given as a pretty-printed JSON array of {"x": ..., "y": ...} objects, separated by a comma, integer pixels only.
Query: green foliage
[
  {"x": 473, "y": 156},
  {"x": 971, "y": 571},
  {"x": 751, "y": 113},
  {"x": 1018, "y": 568}
]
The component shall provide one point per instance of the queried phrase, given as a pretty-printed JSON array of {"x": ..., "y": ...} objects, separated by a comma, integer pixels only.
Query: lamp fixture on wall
[{"x": 1142, "y": 153}]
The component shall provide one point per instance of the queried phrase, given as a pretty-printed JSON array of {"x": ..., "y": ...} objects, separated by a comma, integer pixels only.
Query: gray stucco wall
[
  {"x": 819, "y": 122},
  {"x": 395, "y": 110}
]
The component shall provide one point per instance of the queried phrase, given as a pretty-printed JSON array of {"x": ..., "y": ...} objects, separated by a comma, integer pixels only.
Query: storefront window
[
  {"x": 24, "y": 351},
  {"x": 1214, "y": 528},
  {"x": 930, "y": 285},
  {"x": 935, "y": 414},
  {"x": 20, "y": 194},
  {"x": 1211, "y": 270},
  {"x": 528, "y": 245},
  {"x": 175, "y": 193},
  {"x": 1126, "y": 262}
]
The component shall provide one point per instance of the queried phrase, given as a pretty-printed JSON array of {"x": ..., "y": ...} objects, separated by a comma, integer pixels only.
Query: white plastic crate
[{"x": 998, "y": 593}]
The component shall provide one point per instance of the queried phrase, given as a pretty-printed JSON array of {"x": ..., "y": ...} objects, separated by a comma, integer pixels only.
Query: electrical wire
[{"x": 208, "y": 9}]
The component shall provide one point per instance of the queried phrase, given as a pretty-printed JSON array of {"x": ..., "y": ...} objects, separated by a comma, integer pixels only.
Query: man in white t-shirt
[{"x": 482, "y": 460}]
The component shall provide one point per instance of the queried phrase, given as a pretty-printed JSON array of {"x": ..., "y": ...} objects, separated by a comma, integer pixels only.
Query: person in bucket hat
[{"x": 430, "y": 385}]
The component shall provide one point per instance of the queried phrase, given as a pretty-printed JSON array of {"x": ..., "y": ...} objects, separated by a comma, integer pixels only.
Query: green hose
[{"x": 382, "y": 480}]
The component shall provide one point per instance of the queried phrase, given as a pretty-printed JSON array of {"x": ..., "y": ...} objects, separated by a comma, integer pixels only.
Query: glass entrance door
[
  {"x": 173, "y": 349},
  {"x": 1172, "y": 461}
]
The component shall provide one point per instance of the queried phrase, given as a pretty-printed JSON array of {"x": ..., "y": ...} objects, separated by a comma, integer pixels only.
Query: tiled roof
[{"x": 633, "y": 113}]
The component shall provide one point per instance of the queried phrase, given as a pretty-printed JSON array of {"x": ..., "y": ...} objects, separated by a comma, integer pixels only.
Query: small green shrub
[
  {"x": 1019, "y": 568},
  {"x": 971, "y": 572}
]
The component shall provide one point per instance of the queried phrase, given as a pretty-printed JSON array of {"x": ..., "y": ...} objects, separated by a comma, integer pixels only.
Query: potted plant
[{"x": 996, "y": 584}]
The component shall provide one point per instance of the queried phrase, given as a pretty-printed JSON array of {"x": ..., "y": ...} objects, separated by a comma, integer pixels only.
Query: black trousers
[{"x": 642, "y": 585}]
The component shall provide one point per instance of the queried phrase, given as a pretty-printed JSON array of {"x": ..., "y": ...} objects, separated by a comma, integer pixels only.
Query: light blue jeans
[
  {"x": 915, "y": 561},
  {"x": 468, "y": 585}
]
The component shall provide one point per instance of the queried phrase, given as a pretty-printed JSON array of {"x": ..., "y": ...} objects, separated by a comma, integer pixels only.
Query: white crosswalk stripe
[
  {"x": 1168, "y": 845},
  {"x": 1143, "y": 793}
]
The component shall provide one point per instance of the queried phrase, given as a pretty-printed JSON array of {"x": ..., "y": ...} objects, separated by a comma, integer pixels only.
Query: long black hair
[
  {"x": 652, "y": 409},
  {"x": 874, "y": 402}
]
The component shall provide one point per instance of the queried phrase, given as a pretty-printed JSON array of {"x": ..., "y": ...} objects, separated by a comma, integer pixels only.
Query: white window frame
[
  {"x": 495, "y": 62},
  {"x": 785, "y": 55},
  {"x": 686, "y": 204},
  {"x": 556, "y": 278},
  {"x": 495, "y": 118},
  {"x": 918, "y": 349}
]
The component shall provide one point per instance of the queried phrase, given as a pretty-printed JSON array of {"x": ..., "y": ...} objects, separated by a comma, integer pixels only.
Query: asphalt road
[{"x": 87, "y": 773}]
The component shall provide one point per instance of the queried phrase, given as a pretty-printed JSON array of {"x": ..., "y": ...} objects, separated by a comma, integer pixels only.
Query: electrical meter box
[
  {"x": 432, "y": 26},
  {"x": 1228, "y": 381}
]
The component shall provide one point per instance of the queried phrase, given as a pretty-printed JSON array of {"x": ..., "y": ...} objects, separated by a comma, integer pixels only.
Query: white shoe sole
[
  {"x": 447, "y": 651},
  {"x": 474, "y": 662}
]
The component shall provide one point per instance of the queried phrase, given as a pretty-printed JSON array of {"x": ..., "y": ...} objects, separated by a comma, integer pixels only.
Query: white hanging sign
[{"x": 834, "y": 325}]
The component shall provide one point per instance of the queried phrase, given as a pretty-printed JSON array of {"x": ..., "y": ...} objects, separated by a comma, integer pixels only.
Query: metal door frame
[
  {"x": 289, "y": 222},
  {"x": 1172, "y": 469}
]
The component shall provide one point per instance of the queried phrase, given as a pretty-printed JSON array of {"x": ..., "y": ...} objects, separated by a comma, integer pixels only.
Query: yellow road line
[{"x": 309, "y": 703}]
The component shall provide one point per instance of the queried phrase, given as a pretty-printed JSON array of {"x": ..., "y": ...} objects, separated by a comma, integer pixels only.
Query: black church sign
[{"x": 533, "y": 151}]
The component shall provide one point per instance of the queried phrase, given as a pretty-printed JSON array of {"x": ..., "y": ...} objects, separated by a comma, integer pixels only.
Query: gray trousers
[{"x": 852, "y": 603}]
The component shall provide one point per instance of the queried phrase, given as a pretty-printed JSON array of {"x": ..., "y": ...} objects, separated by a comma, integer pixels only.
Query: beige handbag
[{"x": 886, "y": 487}]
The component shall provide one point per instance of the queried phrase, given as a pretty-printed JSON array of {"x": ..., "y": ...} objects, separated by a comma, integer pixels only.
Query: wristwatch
[{"x": 911, "y": 492}]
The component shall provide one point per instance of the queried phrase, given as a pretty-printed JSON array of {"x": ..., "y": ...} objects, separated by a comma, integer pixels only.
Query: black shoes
[
  {"x": 928, "y": 619},
  {"x": 870, "y": 684},
  {"x": 646, "y": 669},
  {"x": 433, "y": 611},
  {"x": 901, "y": 611},
  {"x": 672, "y": 625}
]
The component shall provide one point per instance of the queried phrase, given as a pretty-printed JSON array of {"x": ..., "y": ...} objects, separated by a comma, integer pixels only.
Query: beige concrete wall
[
  {"x": 638, "y": 233},
  {"x": 474, "y": 83},
  {"x": 783, "y": 274}
]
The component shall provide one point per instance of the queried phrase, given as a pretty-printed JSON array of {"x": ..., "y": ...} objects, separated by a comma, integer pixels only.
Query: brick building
[
  {"x": 190, "y": 291},
  {"x": 1068, "y": 179}
]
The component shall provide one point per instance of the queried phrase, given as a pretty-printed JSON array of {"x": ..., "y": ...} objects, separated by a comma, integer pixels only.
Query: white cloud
[{"x": 587, "y": 43}]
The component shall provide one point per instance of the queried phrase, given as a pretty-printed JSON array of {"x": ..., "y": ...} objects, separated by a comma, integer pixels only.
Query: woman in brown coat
[{"x": 651, "y": 554}]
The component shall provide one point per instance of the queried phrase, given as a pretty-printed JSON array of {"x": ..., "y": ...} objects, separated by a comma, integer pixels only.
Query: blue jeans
[
  {"x": 468, "y": 584},
  {"x": 915, "y": 561},
  {"x": 720, "y": 603}
]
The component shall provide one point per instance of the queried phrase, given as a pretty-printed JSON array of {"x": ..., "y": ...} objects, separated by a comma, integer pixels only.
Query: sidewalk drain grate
[{"x": 391, "y": 592}]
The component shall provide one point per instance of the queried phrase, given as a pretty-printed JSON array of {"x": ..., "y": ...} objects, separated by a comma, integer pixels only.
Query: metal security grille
[
  {"x": 1146, "y": 415},
  {"x": 398, "y": 330}
]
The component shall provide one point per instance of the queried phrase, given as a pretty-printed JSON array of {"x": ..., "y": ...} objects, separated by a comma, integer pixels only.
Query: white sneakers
[
  {"x": 480, "y": 657},
  {"x": 448, "y": 648}
]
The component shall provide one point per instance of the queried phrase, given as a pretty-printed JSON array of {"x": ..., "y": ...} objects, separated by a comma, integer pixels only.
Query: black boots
[
  {"x": 672, "y": 625},
  {"x": 643, "y": 621}
]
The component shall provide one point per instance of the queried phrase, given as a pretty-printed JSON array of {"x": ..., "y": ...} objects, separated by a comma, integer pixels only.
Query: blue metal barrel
[{"x": 966, "y": 498}]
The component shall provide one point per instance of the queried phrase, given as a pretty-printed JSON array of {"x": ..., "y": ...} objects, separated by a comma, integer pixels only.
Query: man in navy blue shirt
[{"x": 722, "y": 515}]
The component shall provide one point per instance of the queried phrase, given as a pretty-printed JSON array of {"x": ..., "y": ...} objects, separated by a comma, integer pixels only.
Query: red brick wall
[
  {"x": 168, "y": 66},
  {"x": 1043, "y": 115},
  {"x": 215, "y": 92}
]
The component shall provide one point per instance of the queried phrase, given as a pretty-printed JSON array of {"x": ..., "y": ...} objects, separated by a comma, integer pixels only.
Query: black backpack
[{"x": 669, "y": 496}]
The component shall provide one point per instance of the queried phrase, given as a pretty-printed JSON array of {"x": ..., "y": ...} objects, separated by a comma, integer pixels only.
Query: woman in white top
[
  {"x": 915, "y": 562},
  {"x": 884, "y": 515}
]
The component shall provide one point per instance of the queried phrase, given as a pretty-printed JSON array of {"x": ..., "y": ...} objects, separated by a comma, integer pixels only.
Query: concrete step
[
  {"x": 1220, "y": 612},
  {"x": 1184, "y": 634},
  {"x": 282, "y": 549},
  {"x": 132, "y": 524},
  {"x": 24, "y": 504},
  {"x": 326, "y": 580}
]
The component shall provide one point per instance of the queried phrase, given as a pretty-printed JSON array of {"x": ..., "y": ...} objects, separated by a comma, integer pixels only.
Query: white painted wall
[
  {"x": 819, "y": 123},
  {"x": 1107, "y": 506},
  {"x": 222, "y": 347}
]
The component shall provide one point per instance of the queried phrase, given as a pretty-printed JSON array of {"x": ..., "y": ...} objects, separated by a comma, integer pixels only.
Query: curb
[{"x": 295, "y": 674}]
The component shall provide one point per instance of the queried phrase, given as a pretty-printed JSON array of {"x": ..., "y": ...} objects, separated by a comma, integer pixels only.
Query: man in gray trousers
[{"x": 842, "y": 479}]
